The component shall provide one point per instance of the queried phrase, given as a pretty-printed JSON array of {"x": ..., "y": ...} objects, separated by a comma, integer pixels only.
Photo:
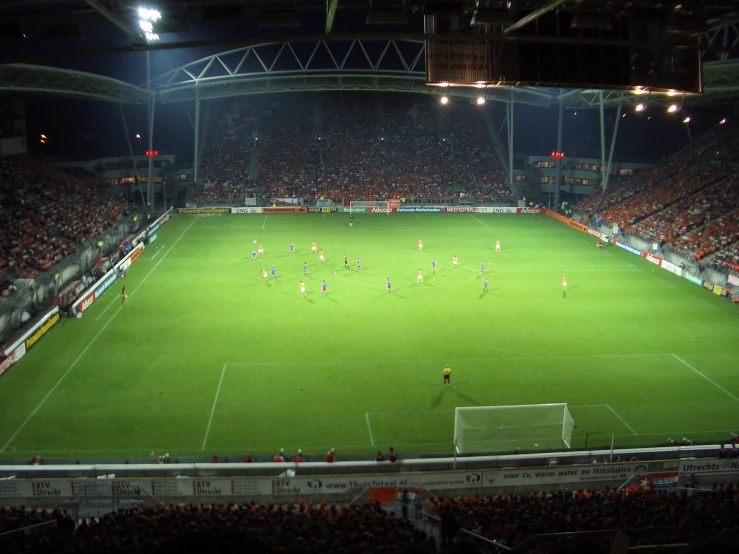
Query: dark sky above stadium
[{"x": 90, "y": 129}]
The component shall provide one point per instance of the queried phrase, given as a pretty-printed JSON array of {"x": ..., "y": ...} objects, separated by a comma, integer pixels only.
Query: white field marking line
[
  {"x": 158, "y": 250},
  {"x": 629, "y": 427},
  {"x": 436, "y": 360},
  {"x": 727, "y": 314},
  {"x": 106, "y": 307},
  {"x": 213, "y": 409},
  {"x": 48, "y": 394},
  {"x": 74, "y": 363},
  {"x": 268, "y": 448},
  {"x": 417, "y": 216},
  {"x": 480, "y": 222},
  {"x": 563, "y": 229},
  {"x": 412, "y": 412},
  {"x": 678, "y": 358},
  {"x": 369, "y": 428},
  {"x": 265, "y": 222}
]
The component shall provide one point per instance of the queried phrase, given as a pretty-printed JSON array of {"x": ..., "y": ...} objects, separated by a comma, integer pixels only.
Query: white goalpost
[
  {"x": 360, "y": 206},
  {"x": 512, "y": 428}
]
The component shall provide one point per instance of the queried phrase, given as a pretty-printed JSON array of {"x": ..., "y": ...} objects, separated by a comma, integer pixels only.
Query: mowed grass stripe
[{"x": 150, "y": 378}]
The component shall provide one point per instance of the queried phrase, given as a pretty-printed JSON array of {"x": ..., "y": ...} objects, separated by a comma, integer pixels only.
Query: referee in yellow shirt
[{"x": 447, "y": 373}]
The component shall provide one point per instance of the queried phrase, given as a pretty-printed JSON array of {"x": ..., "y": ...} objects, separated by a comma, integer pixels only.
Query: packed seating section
[
  {"x": 351, "y": 146},
  {"x": 45, "y": 215},
  {"x": 688, "y": 516},
  {"x": 689, "y": 204}
]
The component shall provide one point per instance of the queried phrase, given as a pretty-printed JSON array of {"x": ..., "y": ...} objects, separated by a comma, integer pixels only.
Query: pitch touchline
[
  {"x": 268, "y": 448},
  {"x": 678, "y": 358},
  {"x": 436, "y": 360},
  {"x": 213, "y": 409},
  {"x": 74, "y": 363},
  {"x": 265, "y": 222}
]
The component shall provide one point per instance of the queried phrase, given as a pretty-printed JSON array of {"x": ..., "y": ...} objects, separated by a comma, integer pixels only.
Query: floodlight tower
[{"x": 147, "y": 18}]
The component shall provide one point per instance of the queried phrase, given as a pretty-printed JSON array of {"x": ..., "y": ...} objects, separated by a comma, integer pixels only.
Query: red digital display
[
  {"x": 557, "y": 155},
  {"x": 150, "y": 153}
]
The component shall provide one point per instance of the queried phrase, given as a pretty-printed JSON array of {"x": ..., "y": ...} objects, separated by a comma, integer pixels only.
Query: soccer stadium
[{"x": 369, "y": 276}]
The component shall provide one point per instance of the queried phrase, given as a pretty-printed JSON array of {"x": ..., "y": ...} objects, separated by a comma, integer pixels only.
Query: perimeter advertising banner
[
  {"x": 693, "y": 278},
  {"x": 284, "y": 210},
  {"x": 708, "y": 465},
  {"x": 560, "y": 475},
  {"x": 196, "y": 211},
  {"x": 672, "y": 268},
  {"x": 12, "y": 358}
]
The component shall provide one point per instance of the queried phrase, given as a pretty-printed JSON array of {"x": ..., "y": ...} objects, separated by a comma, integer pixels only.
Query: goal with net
[
  {"x": 359, "y": 206},
  {"x": 512, "y": 428}
]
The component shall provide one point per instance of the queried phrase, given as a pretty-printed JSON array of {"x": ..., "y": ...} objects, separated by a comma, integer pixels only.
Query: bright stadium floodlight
[
  {"x": 444, "y": 100},
  {"x": 146, "y": 25},
  {"x": 151, "y": 36},
  {"x": 722, "y": 121},
  {"x": 480, "y": 100},
  {"x": 149, "y": 14},
  {"x": 673, "y": 108},
  {"x": 686, "y": 120},
  {"x": 640, "y": 107}
]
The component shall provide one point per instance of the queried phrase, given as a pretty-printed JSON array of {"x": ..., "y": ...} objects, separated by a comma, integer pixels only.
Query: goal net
[
  {"x": 510, "y": 428},
  {"x": 358, "y": 206}
]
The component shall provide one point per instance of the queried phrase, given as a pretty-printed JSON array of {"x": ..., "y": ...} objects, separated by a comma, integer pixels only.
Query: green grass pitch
[{"x": 206, "y": 358}]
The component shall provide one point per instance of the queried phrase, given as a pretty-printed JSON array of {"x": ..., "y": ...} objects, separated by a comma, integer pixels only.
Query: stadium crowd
[
  {"x": 685, "y": 204},
  {"x": 44, "y": 217},
  {"x": 299, "y": 528},
  {"x": 352, "y": 146},
  {"x": 510, "y": 520}
]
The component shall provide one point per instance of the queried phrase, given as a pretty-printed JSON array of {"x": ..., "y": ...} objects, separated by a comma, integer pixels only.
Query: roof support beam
[
  {"x": 536, "y": 14},
  {"x": 331, "y": 7},
  {"x": 115, "y": 20}
]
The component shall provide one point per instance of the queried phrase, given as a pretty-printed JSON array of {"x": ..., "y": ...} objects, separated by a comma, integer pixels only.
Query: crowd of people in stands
[
  {"x": 512, "y": 519},
  {"x": 649, "y": 516},
  {"x": 690, "y": 204},
  {"x": 351, "y": 146},
  {"x": 44, "y": 217},
  {"x": 297, "y": 529}
]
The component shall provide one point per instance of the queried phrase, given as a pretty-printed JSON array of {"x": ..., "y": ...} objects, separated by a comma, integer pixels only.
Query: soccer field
[{"x": 205, "y": 358}]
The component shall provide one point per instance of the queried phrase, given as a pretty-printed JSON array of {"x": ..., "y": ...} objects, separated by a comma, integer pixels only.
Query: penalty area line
[
  {"x": 614, "y": 412},
  {"x": 213, "y": 409},
  {"x": 679, "y": 359},
  {"x": 369, "y": 428}
]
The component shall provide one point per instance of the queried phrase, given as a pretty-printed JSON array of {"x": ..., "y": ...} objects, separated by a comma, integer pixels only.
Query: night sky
[{"x": 87, "y": 129}]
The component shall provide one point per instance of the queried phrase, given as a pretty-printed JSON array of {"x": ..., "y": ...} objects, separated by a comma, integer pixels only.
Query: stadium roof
[{"x": 322, "y": 51}]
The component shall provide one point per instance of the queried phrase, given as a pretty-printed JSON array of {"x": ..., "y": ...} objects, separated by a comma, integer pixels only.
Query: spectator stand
[{"x": 47, "y": 242}]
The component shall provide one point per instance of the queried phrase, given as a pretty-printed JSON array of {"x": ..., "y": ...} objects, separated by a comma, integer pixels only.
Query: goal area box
[{"x": 512, "y": 428}]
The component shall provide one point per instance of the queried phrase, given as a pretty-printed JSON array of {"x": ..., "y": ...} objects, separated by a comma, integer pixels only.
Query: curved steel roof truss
[
  {"x": 388, "y": 65},
  {"x": 64, "y": 82}
]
